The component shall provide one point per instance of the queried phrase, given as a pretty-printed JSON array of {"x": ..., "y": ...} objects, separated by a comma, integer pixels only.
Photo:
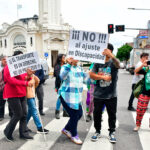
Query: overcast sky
[{"x": 90, "y": 15}]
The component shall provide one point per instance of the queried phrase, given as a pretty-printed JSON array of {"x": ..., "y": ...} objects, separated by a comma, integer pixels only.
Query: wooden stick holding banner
[{"x": 87, "y": 46}]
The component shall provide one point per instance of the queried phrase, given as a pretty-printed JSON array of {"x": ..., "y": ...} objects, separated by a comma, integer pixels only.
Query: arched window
[{"x": 19, "y": 40}]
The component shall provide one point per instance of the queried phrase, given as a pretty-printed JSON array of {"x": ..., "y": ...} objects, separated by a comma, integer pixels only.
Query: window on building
[
  {"x": 1, "y": 43},
  {"x": 31, "y": 41},
  {"x": 20, "y": 41},
  {"x": 5, "y": 43}
]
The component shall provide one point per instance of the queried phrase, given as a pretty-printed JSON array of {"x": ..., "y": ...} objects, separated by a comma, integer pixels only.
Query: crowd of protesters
[{"x": 101, "y": 81}]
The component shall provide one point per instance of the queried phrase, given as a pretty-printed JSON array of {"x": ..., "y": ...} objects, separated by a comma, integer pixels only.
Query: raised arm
[
  {"x": 114, "y": 59},
  {"x": 144, "y": 64},
  {"x": 13, "y": 80}
]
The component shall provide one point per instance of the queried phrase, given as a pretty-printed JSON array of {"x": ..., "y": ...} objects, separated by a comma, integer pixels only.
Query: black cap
[{"x": 110, "y": 46}]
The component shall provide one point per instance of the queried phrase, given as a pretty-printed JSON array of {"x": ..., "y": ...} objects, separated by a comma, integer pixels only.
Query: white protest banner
[
  {"x": 87, "y": 46},
  {"x": 18, "y": 64}
]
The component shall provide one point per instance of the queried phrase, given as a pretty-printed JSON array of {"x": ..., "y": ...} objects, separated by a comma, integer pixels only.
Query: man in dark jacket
[{"x": 39, "y": 90}]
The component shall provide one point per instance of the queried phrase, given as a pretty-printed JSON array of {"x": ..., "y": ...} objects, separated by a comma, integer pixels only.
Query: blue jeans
[
  {"x": 58, "y": 103},
  {"x": 75, "y": 116},
  {"x": 32, "y": 111}
]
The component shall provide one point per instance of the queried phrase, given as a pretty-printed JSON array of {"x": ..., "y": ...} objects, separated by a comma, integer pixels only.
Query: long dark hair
[{"x": 59, "y": 58}]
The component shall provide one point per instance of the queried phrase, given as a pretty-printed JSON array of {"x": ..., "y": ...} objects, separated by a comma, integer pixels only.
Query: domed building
[{"x": 46, "y": 33}]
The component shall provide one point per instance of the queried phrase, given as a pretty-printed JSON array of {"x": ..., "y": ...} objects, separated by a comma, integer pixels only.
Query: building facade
[
  {"x": 46, "y": 33},
  {"x": 142, "y": 40}
]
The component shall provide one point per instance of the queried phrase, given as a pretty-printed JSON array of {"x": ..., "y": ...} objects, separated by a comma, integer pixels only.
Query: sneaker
[
  {"x": 131, "y": 109},
  {"x": 42, "y": 113},
  {"x": 112, "y": 138},
  {"x": 95, "y": 137},
  {"x": 88, "y": 118},
  {"x": 9, "y": 139},
  {"x": 65, "y": 114},
  {"x": 76, "y": 140},
  {"x": 26, "y": 137},
  {"x": 40, "y": 130},
  {"x": 66, "y": 132},
  {"x": 136, "y": 129},
  {"x": 57, "y": 114}
]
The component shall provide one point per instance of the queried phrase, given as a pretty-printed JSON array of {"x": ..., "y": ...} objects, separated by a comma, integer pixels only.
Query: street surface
[{"x": 126, "y": 138}]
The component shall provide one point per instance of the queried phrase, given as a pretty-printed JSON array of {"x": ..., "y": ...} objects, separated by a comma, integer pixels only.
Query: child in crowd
[{"x": 32, "y": 110}]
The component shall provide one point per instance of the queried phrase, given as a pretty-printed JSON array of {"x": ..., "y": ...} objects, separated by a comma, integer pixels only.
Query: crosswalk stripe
[
  {"x": 103, "y": 143},
  {"x": 2, "y": 127},
  {"x": 144, "y": 130},
  {"x": 55, "y": 128}
]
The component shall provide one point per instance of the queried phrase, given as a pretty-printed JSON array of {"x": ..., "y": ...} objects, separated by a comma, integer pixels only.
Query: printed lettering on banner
[
  {"x": 87, "y": 46},
  {"x": 18, "y": 64}
]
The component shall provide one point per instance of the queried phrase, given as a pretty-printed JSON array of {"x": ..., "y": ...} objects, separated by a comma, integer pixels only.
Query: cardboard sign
[
  {"x": 18, "y": 64},
  {"x": 87, "y": 46}
]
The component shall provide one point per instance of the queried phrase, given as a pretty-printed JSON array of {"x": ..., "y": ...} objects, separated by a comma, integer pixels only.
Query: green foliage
[{"x": 123, "y": 53}]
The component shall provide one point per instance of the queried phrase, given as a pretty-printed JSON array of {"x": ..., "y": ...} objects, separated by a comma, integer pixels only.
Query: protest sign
[
  {"x": 87, "y": 46},
  {"x": 18, "y": 64}
]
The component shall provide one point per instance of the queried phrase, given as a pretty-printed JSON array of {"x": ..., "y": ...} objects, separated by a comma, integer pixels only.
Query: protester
[
  {"x": 105, "y": 93},
  {"x": 2, "y": 101},
  {"x": 90, "y": 97},
  {"x": 144, "y": 97},
  {"x": 59, "y": 62},
  {"x": 15, "y": 92},
  {"x": 136, "y": 78},
  {"x": 32, "y": 110},
  {"x": 70, "y": 94},
  {"x": 39, "y": 90}
]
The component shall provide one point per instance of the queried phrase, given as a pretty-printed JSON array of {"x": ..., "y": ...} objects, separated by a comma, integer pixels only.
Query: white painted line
[
  {"x": 2, "y": 127},
  {"x": 144, "y": 132},
  {"x": 39, "y": 143},
  {"x": 102, "y": 143}
]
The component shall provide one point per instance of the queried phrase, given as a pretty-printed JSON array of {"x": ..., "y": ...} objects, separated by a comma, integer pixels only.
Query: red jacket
[{"x": 14, "y": 86}]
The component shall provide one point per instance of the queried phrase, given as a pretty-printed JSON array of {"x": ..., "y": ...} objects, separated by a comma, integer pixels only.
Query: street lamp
[{"x": 138, "y": 9}]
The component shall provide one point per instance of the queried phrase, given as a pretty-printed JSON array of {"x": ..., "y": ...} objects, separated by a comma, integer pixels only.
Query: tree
[{"x": 123, "y": 53}]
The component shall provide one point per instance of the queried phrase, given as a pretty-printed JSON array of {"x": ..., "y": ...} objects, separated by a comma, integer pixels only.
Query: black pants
[
  {"x": 2, "y": 105},
  {"x": 111, "y": 106},
  {"x": 74, "y": 115},
  {"x": 40, "y": 96},
  {"x": 131, "y": 97},
  {"x": 19, "y": 109}
]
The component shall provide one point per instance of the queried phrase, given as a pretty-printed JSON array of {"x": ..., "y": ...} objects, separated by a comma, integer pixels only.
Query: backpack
[
  {"x": 139, "y": 86},
  {"x": 2, "y": 83}
]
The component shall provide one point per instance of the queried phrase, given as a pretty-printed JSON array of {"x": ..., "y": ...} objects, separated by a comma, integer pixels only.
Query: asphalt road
[{"x": 126, "y": 138}]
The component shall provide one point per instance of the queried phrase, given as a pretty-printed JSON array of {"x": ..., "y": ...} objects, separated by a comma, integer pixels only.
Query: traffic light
[
  {"x": 110, "y": 28},
  {"x": 120, "y": 28}
]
